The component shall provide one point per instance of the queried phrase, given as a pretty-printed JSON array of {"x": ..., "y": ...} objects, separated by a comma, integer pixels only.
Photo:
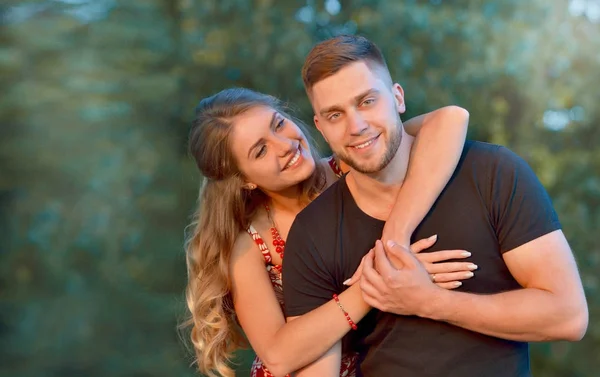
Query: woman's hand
[{"x": 445, "y": 274}]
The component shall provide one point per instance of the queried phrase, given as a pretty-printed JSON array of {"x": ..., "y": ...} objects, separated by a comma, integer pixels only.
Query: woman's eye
[
  {"x": 280, "y": 124},
  {"x": 261, "y": 152}
]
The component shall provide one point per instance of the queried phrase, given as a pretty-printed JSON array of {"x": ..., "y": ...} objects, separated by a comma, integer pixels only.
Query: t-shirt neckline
[{"x": 354, "y": 208}]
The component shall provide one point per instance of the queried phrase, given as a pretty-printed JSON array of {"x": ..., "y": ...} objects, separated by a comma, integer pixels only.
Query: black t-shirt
[{"x": 492, "y": 204}]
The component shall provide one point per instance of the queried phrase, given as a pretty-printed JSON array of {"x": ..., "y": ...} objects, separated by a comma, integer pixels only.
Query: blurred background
[{"x": 96, "y": 186}]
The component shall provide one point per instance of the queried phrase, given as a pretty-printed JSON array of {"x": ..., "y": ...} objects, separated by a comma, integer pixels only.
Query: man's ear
[
  {"x": 399, "y": 98},
  {"x": 316, "y": 120}
]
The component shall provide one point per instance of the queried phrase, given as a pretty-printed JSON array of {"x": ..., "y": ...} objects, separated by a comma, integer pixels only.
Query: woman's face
[{"x": 271, "y": 151}]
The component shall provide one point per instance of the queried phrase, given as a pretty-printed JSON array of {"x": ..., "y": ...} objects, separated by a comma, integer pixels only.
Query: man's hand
[
  {"x": 406, "y": 290},
  {"x": 445, "y": 274}
]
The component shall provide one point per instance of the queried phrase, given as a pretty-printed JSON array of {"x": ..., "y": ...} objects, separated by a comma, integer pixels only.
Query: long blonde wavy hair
[{"x": 225, "y": 208}]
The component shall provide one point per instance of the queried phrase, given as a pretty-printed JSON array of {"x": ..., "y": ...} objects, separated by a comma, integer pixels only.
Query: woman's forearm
[
  {"x": 413, "y": 125},
  {"x": 305, "y": 338},
  {"x": 440, "y": 138}
]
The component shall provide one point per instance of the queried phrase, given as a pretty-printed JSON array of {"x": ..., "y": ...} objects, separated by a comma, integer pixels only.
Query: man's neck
[{"x": 375, "y": 193}]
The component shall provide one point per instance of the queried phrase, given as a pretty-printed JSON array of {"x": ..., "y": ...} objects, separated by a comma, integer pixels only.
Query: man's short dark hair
[{"x": 328, "y": 57}]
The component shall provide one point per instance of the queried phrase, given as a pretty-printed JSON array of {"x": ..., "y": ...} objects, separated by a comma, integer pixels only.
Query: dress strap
[
  {"x": 262, "y": 246},
  {"x": 335, "y": 167}
]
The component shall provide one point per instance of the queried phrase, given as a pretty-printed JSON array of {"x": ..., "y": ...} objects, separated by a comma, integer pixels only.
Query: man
[{"x": 527, "y": 287}]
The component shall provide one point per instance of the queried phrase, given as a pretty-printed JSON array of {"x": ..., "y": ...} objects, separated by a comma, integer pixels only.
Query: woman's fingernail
[
  {"x": 457, "y": 284},
  {"x": 465, "y": 254},
  {"x": 472, "y": 266},
  {"x": 432, "y": 237},
  {"x": 346, "y": 282},
  {"x": 469, "y": 274}
]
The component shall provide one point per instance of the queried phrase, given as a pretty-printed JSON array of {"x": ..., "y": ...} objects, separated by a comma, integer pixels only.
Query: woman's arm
[
  {"x": 285, "y": 347},
  {"x": 288, "y": 347},
  {"x": 440, "y": 138},
  {"x": 328, "y": 365}
]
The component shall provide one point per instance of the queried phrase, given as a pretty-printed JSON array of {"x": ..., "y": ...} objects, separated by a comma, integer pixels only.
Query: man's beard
[{"x": 391, "y": 147}]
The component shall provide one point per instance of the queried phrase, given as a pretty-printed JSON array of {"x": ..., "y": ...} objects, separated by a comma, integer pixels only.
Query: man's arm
[{"x": 551, "y": 305}]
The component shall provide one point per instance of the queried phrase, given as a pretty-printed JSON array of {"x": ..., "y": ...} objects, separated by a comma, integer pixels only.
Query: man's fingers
[
  {"x": 368, "y": 289},
  {"x": 371, "y": 301},
  {"x": 438, "y": 268},
  {"x": 371, "y": 275},
  {"x": 367, "y": 262},
  {"x": 382, "y": 263},
  {"x": 404, "y": 256},
  {"x": 370, "y": 294},
  {"x": 423, "y": 244}
]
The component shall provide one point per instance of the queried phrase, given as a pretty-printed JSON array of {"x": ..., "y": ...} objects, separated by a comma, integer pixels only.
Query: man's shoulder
[
  {"x": 491, "y": 155},
  {"x": 482, "y": 155},
  {"x": 480, "y": 149}
]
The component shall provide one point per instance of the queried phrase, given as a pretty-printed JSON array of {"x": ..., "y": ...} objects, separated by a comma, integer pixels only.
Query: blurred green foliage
[{"x": 96, "y": 186}]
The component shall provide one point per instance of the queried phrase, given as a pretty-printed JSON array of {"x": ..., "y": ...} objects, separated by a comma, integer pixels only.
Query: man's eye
[
  {"x": 334, "y": 116},
  {"x": 368, "y": 101}
]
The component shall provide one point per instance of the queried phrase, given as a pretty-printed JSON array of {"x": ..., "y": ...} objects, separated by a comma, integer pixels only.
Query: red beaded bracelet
[{"x": 339, "y": 304}]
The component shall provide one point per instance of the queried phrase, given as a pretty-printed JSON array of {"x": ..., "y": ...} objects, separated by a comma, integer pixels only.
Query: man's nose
[{"x": 356, "y": 123}]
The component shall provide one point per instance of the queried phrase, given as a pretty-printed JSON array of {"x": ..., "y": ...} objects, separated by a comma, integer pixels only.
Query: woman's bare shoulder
[{"x": 244, "y": 244}]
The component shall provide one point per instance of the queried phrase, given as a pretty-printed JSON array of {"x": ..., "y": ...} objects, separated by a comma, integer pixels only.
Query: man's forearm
[{"x": 523, "y": 315}]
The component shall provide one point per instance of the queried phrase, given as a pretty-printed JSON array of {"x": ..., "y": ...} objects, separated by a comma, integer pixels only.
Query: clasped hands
[{"x": 401, "y": 281}]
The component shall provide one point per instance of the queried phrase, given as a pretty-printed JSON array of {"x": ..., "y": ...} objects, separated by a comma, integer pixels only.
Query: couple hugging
[{"x": 408, "y": 252}]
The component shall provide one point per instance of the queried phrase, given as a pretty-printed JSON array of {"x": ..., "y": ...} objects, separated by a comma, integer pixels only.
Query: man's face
[{"x": 357, "y": 112}]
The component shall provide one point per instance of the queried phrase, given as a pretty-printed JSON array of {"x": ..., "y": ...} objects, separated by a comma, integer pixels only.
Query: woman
[{"x": 260, "y": 170}]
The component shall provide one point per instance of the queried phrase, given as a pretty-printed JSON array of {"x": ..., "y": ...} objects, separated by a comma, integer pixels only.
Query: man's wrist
[{"x": 436, "y": 304}]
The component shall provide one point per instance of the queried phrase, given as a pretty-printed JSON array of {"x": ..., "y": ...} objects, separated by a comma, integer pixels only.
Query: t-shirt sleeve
[
  {"x": 307, "y": 282},
  {"x": 521, "y": 208}
]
